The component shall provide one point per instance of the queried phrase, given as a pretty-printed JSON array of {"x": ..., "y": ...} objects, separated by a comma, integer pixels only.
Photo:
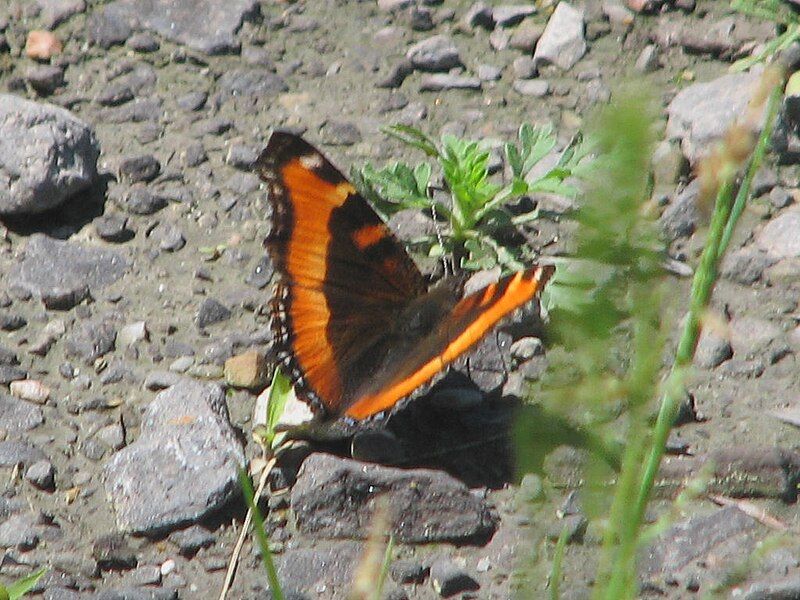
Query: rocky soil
[{"x": 132, "y": 268}]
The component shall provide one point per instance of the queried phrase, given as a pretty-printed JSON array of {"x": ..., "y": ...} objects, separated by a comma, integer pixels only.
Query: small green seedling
[{"x": 480, "y": 223}]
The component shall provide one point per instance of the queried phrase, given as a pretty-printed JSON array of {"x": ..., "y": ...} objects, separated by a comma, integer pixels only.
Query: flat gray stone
[
  {"x": 701, "y": 113},
  {"x": 680, "y": 217},
  {"x": 562, "y": 44},
  {"x": 781, "y": 236},
  {"x": 46, "y": 156},
  {"x": 445, "y": 81},
  {"x": 209, "y": 26},
  {"x": 18, "y": 416},
  {"x": 183, "y": 466},
  {"x": 437, "y": 53},
  {"x": 335, "y": 497},
  {"x": 62, "y": 274}
]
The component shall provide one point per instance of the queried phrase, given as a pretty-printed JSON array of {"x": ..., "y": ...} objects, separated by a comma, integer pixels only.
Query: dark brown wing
[
  {"x": 463, "y": 326},
  {"x": 343, "y": 276}
]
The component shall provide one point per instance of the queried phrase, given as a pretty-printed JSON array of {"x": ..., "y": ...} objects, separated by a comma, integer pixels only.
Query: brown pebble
[{"x": 41, "y": 45}]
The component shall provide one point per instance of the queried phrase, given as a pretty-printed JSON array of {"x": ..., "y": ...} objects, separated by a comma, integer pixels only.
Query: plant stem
[{"x": 723, "y": 222}]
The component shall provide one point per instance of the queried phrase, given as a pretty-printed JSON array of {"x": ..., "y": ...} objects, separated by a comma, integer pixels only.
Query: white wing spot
[{"x": 311, "y": 161}]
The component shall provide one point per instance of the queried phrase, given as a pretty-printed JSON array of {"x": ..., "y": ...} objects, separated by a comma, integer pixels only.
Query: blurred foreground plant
[
  {"x": 781, "y": 13},
  {"x": 607, "y": 309},
  {"x": 19, "y": 588}
]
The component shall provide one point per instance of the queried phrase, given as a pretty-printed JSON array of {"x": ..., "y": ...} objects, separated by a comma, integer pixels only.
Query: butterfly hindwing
[
  {"x": 343, "y": 274},
  {"x": 458, "y": 330}
]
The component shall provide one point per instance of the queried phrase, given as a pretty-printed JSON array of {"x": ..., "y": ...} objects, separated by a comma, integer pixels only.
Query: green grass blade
[
  {"x": 21, "y": 587},
  {"x": 261, "y": 536}
]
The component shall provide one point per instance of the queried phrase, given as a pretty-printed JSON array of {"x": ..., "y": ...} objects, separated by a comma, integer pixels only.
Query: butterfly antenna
[{"x": 439, "y": 239}]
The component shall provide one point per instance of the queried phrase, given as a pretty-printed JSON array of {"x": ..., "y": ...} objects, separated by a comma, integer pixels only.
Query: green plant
[
  {"x": 19, "y": 588},
  {"x": 271, "y": 441},
  {"x": 608, "y": 314},
  {"x": 777, "y": 11},
  {"x": 480, "y": 224}
]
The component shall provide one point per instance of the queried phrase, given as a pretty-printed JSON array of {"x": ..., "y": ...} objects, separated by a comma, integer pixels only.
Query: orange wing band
[{"x": 490, "y": 305}]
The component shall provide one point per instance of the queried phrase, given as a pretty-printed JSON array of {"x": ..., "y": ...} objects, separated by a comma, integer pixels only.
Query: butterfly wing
[
  {"x": 460, "y": 328},
  {"x": 343, "y": 276}
]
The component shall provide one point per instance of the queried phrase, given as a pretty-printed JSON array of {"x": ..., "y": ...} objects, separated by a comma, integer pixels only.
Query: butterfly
[{"x": 355, "y": 323}]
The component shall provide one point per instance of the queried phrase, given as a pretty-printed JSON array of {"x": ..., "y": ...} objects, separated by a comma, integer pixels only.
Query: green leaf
[
  {"x": 279, "y": 392},
  {"x": 412, "y": 137},
  {"x": 22, "y": 586}
]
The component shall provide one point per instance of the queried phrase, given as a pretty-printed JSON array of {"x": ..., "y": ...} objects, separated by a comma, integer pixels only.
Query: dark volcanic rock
[
  {"x": 336, "y": 497},
  {"x": 209, "y": 26},
  {"x": 140, "y": 168},
  {"x": 46, "y": 156},
  {"x": 260, "y": 83},
  {"x": 448, "y": 578},
  {"x": 91, "y": 340},
  {"x": 182, "y": 467},
  {"x": 211, "y": 311},
  {"x": 64, "y": 273}
]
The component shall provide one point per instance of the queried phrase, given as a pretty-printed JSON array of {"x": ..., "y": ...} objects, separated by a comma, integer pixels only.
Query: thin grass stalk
[
  {"x": 723, "y": 220},
  {"x": 261, "y": 536},
  {"x": 755, "y": 163}
]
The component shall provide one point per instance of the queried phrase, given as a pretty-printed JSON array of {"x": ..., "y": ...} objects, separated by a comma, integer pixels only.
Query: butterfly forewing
[{"x": 343, "y": 275}]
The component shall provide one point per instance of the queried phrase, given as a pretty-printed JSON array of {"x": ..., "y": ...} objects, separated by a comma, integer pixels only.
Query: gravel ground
[{"x": 132, "y": 268}]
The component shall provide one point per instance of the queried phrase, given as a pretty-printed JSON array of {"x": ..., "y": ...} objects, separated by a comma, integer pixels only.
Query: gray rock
[
  {"x": 9, "y": 373},
  {"x": 141, "y": 109},
  {"x": 752, "y": 337},
  {"x": 341, "y": 133},
  {"x": 300, "y": 567},
  {"x": 141, "y": 201},
  {"x": 241, "y": 156},
  {"x": 478, "y": 15},
  {"x": 45, "y": 79},
  {"x": 62, "y": 274},
  {"x": 488, "y": 72},
  {"x": 712, "y": 350},
  {"x": 192, "y": 539},
  {"x": 253, "y": 82},
  {"x": 113, "y": 227},
  {"x": 42, "y": 474},
  {"x": 538, "y": 88},
  {"x": 18, "y": 452},
  {"x": 746, "y": 265},
  {"x": 11, "y": 322},
  {"x": 526, "y": 36},
  {"x": 113, "y": 551},
  {"x": 211, "y": 311},
  {"x": 137, "y": 169},
  {"x": 335, "y": 497},
  {"x": 771, "y": 589},
  {"x": 647, "y": 62},
  {"x": 161, "y": 380},
  {"x": 46, "y": 156},
  {"x": 18, "y": 416},
  {"x": 524, "y": 67},
  {"x": 397, "y": 75},
  {"x": 723, "y": 536},
  {"x": 445, "y": 81},
  {"x": 437, "y": 53},
  {"x": 420, "y": 18},
  {"x": 209, "y": 26},
  {"x": 701, "y": 113},
  {"x": 19, "y": 531},
  {"x": 109, "y": 26},
  {"x": 508, "y": 15},
  {"x": 55, "y": 12},
  {"x": 192, "y": 101},
  {"x": 143, "y": 42},
  {"x": 91, "y": 340},
  {"x": 8, "y": 356},
  {"x": 681, "y": 216},
  {"x": 169, "y": 237},
  {"x": 449, "y": 579},
  {"x": 182, "y": 467},
  {"x": 779, "y": 238},
  {"x": 562, "y": 44},
  {"x": 408, "y": 571}
]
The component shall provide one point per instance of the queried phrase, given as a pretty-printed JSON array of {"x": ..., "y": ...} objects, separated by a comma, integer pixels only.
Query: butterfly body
[{"x": 355, "y": 323}]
